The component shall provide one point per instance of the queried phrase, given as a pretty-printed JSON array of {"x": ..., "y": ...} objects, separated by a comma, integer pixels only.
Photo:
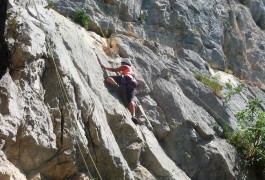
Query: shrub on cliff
[
  {"x": 250, "y": 139},
  {"x": 81, "y": 18},
  {"x": 211, "y": 82}
]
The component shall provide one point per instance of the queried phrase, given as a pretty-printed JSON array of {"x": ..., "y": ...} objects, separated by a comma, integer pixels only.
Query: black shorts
[{"x": 129, "y": 86}]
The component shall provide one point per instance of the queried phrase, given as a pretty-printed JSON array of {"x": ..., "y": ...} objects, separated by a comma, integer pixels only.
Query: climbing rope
[
  {"x": 214, "y": 112},
  {"x": 204, "y": 103},
  {"x": 88, "y": 150},
  {"x": 66, "y": 99}
]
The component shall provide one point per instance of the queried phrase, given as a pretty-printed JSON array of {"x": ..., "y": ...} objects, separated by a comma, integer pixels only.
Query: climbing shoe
[{"x": 135, "y": 120}]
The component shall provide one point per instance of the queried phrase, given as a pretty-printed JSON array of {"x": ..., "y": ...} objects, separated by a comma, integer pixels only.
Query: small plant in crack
[
  {"x": 49, "y": 6},
  {"x": 12, "y": 24},
  {"x": 81, "y": 18}
]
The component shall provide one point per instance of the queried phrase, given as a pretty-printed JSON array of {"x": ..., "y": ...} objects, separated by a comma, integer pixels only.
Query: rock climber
[{"x": 125, "y": 83}]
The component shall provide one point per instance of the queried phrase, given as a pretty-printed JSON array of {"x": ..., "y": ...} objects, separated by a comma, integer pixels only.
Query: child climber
[{"x": 126, "y": 83}]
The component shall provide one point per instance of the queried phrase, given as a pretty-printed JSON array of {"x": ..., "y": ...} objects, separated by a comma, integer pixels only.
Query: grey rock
[{"x": 58, "y": 119}]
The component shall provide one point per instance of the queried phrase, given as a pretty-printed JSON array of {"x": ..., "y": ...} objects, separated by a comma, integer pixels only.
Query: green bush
[
  {"x": 211, "y": 82},
  {"x": 13, "y": 24},
  {"x": 250, "y": 139},
  {"x": 232, "y": 91},
  {"x": 81, "y": 18}
]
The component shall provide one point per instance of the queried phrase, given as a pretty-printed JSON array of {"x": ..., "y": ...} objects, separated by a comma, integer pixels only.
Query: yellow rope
[
  {"x": 66, "y": 98},
  {"x": 88, "y": 150}
]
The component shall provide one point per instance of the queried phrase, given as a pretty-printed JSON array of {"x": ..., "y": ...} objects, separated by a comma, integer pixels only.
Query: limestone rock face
[
  {"x": 226, "y": 34},
  {"x": 59, "y": 119},
  {"x": 9, "y": 170}
]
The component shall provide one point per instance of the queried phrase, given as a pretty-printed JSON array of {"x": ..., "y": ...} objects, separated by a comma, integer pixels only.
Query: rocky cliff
[{"x": 60, "y": 121}]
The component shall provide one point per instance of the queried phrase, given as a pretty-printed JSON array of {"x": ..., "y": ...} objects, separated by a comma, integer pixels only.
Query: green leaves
[
  {"x": 232, "y": 91},
  {"x": 210, "y": 81},
  {"x": 250, "y": 139},
  {"x": 81, "y": 18},
  {"x": 49, "y": 6}
]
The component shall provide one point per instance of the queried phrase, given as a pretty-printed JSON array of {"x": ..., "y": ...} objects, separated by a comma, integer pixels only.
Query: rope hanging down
[
  {"x": 66, "y": 99},
  {"x": 204, "y": 103},
  {"x": 65, "y": 96}
]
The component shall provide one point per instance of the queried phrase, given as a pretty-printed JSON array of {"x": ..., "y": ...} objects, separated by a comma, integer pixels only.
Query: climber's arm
[{"x": 118, "y": 69}]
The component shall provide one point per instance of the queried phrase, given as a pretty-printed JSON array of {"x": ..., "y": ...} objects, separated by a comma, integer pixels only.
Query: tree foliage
[
  {"x": 250, "y": 139},
  {"x": 81, "y": 18},
  {"x": 210, "y": 81},
  {"x": 232, "y": 91}
]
